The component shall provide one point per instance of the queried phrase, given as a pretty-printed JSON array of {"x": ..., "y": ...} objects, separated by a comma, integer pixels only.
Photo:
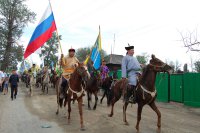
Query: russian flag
[{"x": 42, "y": 33}]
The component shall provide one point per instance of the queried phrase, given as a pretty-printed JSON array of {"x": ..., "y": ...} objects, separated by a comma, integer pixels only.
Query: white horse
[
  {"x": 45, "y": 82},
  {"x": 32, "y": 82}
]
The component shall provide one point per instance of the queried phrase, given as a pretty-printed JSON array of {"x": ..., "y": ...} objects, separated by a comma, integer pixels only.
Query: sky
[{"x": 152, "y": 26}]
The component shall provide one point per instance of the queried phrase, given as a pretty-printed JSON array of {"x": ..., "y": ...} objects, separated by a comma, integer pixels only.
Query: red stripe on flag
[{"x": 34, "y": 45}]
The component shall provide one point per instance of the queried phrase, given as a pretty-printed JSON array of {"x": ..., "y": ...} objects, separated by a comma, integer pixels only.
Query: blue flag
[{"x": 96, "y": 55}]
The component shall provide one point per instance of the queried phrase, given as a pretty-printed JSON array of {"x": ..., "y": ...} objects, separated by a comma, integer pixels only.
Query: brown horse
[
  {"x": 75, "y": 90},
  {"x": 53, "y": 78},
  {"x": 92, "y": 87},
  {"x": 145, "y": 90}
]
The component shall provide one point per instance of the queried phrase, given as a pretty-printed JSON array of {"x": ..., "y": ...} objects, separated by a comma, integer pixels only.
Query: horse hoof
[
  {"x": 159, "y": 126},
  {"x": 89, "y": 108},
  {"x": 94, "y": 108},
  {"x": 82, "y": 129},
  {"x": 137, "y": 128},
  {"x": 126, "y": 123},
  {"x": 57, "y": 113},
  {"x": 110, "y": 115}
]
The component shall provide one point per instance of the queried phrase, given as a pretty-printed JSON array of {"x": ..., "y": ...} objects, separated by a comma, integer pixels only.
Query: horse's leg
[
  {"x": 154, "y": 107},
  {"x": 139, "y": 112},
  {"x": 47, "y": 89},
  {"x": 30, "y": 90},
  {"x": 58, "y": 95},
  {"x": 104, "y": 94},
  {"x": 57, "y": 112},
  {"x": 96, "y": 100},
  {"x": 89, "y": 99},
  {"x": 112, "y": 108},
  {"x": 69, "y": 107},
  {"x": 80, "y": 102},
  {"x": 124, "y": 113}
]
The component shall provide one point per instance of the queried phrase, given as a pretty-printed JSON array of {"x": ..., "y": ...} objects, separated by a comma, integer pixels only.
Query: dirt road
[{"x": 36, "y": 114}]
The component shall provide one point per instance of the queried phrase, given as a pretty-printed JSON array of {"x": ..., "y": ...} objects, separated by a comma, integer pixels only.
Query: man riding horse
[
  {"x": 68, "y": 64},
  {"x": 131, "y": 68}
]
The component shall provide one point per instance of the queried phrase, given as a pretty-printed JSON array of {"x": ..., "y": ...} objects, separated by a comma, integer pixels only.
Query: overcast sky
[{"x": 152, "y": 26}]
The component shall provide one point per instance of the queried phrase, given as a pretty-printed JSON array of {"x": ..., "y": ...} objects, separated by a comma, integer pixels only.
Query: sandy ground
[{"x": 36, "y": 114}]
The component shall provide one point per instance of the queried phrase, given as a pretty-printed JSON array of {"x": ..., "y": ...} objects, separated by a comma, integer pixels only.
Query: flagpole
[
  {"x": 57, "y": 32},
  {"x": 100, "y": 50}
]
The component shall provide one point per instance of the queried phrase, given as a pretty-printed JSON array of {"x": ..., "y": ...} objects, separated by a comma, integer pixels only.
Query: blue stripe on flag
[{"x": 97, "y": 61}]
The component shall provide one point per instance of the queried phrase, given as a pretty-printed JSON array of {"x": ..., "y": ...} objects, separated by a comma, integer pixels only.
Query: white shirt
[{"x": 2, "y": 75}]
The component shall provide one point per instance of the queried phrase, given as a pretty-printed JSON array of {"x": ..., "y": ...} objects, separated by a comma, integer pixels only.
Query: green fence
[
  {"x": 162, "y": 87},
  {"x": 119, "y": 74},
  {"x": 176, "y": 87},
  {"x": 191, "y": 89}
]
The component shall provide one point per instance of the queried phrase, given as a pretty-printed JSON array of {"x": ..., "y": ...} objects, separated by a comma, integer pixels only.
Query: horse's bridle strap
[{"x": 153, "y": 94}]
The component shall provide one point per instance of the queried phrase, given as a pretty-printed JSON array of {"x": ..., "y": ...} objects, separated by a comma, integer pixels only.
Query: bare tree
[
  {"x": 191, "y": 40},
  {"x": 177, "y": 66}
]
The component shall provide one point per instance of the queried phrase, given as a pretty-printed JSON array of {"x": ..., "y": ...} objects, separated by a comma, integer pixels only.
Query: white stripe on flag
[{"x": 47, "y": 13}]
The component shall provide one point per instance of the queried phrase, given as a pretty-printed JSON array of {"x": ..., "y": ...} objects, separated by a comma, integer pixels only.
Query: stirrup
[{"x": 131, "y": 100}]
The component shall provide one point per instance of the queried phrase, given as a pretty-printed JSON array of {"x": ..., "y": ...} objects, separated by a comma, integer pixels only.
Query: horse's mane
[{"x": 144, "y": 73}]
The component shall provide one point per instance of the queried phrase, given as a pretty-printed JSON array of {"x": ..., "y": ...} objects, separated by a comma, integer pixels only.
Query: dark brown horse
[
  {"x": 75, "y": 90},
  {"x": 106, "y": 84},
  {"x": 53, "y": 78},
  {"x": 145, "y": 90},
  {"x": 92, "y": 87}
]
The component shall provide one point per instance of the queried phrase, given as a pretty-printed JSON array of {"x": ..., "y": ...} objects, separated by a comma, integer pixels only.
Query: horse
[
  {"x": 32, "y": 81},
  {"x": 74, "y": 91},
  {"x": 92, "y": 87},
  {"x": 145, "y": 90},
  {"x": 45, "y": 81},
  {"x": 53, "y": 78},
  {"x": 39, "y": 80},
  {"x": 106, "y": 85}
]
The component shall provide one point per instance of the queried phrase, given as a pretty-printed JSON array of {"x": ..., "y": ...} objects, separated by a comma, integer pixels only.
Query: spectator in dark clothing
[{"x": 14, "y": 79}]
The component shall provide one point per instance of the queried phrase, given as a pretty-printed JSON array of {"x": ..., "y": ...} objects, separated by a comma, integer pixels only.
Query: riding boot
[
  {"x": 128, "y": 93},
  {"x": 132, "y": 98}
]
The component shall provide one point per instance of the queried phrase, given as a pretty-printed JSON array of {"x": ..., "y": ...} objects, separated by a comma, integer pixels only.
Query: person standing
[
  {"x": 5, "y": 87},
  {"x": 130, "y": 68},
  {"x": 2, "y": 76},
  {"x": 14, "y": 79}
]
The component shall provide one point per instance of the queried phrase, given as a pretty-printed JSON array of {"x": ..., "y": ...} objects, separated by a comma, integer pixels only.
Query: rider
[
  {"x": 68, "y": 63},
  {"x": 104, "y": 70},
  {"x": 34, "y": 69},
  {"x": 130, "y": 67}
]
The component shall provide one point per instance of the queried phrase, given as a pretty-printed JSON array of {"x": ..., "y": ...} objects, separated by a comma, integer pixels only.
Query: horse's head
[
  {"x": 158, "y": 65},
  {"x": 82, "y": 71}
]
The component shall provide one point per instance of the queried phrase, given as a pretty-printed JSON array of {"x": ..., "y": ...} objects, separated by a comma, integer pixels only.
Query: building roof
[{"x": 114, "y": 59}]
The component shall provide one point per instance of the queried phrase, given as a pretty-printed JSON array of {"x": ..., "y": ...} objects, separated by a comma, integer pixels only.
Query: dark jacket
[{"x": 14, "y": 79}]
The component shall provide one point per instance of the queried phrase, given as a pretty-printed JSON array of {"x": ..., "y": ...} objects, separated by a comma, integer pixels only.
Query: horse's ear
[
  {"x": 80, "y": 64},
  {"x": 153, "y": 56}
]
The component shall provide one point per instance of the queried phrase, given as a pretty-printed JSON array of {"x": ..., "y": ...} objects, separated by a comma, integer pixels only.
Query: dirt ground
[{"x": 36, "y": 114}]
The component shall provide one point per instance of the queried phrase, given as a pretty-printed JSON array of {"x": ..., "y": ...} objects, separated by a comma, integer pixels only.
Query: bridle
[{"x": 157, "y": 67}]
